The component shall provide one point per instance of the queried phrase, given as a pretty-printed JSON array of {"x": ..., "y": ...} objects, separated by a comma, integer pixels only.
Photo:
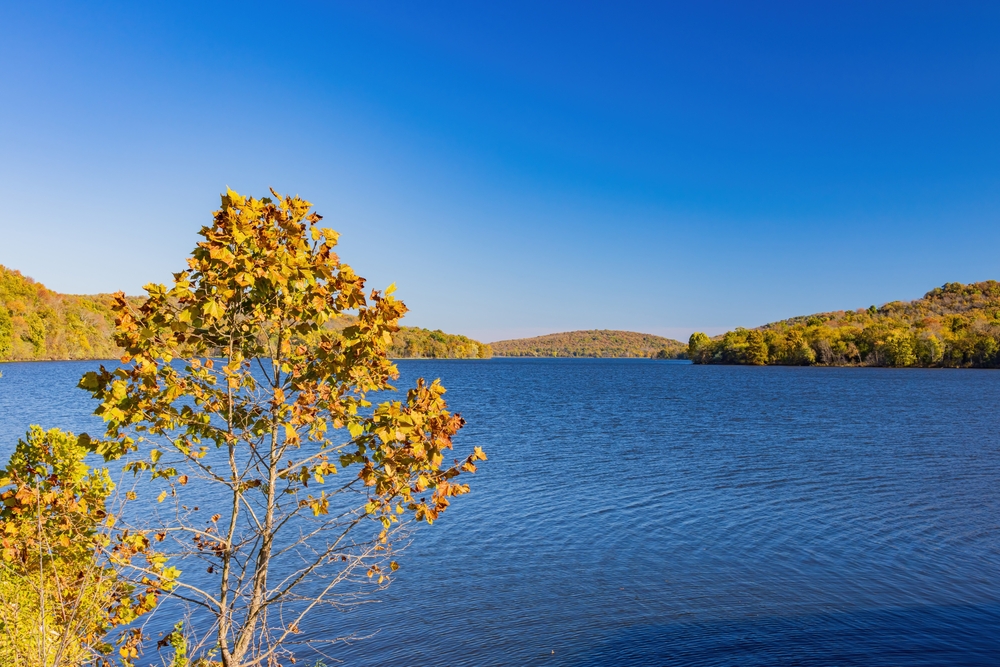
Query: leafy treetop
[{"x": 240, "y": 355}]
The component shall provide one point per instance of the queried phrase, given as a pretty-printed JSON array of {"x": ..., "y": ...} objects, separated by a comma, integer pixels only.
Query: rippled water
[{"x": 650, "y": 513}]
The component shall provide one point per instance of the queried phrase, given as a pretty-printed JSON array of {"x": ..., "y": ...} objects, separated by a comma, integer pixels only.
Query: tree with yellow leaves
[{"x": 235, "y": 383}]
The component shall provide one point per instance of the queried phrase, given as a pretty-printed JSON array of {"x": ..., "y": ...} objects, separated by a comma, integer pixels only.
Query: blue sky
[{"x": 521, "y": 169}]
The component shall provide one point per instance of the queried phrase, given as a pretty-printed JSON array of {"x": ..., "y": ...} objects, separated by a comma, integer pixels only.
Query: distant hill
[
  {"x": 39, "y": 324},
  {"x": 595, "y": 343},
  {"x": 954, "y": 325}
]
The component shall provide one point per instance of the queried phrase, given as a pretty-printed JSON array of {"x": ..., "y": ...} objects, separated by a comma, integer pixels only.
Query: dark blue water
[{"x": 651, "y": 513}]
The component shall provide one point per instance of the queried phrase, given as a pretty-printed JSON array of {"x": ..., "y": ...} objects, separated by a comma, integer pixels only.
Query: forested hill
[
  {"x": 595, "y": 343},
  {"x": 39, "y": 324},
  {"x": 954, "y": 326}
]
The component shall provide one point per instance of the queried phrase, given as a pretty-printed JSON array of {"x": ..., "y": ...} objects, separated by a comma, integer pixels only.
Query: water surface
[{"x": 637, "y": 512}]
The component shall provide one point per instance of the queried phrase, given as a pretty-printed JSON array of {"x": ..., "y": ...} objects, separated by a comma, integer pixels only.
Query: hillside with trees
[
  {"x": 37, "y": 324},
  {"x": 952, "y": 326},
  {"x": 594, "y": 343},
  {"x": 416, "y": 343}
]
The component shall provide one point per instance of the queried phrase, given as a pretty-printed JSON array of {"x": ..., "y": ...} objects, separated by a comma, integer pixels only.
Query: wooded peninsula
[{"x": 952, "y": 326}]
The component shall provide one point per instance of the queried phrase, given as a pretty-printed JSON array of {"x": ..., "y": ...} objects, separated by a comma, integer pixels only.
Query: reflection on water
[{"x": 644, "y": 513}]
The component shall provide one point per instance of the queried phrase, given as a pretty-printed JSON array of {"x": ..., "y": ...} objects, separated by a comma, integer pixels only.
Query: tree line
[
  {"x": 952, "y": 326},
  {"x": 38, "y": 324}
]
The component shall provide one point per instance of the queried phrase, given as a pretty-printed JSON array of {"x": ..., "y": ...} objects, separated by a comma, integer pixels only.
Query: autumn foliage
[
  {"x": 234, "y": 381},
  {"x": 418, "y": 343},
  {"x": 68, "y": 573},
  {"x": 594, "y": 343},
  {"x": 39, "y": 324},
  {"x": 955, "y": 326}
]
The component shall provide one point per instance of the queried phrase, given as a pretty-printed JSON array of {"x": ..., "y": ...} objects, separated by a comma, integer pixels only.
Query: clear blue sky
[{"x": 522, "y": 169}]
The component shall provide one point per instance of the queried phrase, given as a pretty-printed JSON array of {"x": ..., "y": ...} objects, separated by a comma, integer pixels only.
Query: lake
[{"x": 637, "y": 512}]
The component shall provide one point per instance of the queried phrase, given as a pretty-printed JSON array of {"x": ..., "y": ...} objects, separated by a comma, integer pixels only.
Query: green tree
[
  {"x": 36, "y": 332},
  {"x": 6, "y": 332},
  {"x": 64, "y": 572},
  {"x": 899, "y": 349},
  {"x": 233, "y": 382},
  {"x": 794, "y": 350},
  {"x": 756, "y": 350},
  {"x": 698, "y": 344}
]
